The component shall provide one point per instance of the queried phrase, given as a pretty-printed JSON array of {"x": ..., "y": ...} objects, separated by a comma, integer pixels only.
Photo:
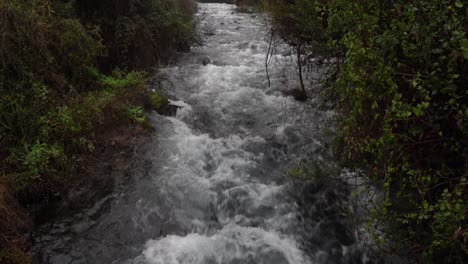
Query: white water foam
[{"x": 231, "y": 245}]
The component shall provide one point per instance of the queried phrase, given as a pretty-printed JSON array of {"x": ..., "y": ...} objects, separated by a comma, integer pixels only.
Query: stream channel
[{"x": 212, "y": 185}]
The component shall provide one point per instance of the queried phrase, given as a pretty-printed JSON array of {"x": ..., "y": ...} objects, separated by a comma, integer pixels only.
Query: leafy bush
[
  {"x": 14, "y": 256},
  {"x": 116, "y": 81},
  {"x": 52, "y": 97},
  {"x": 36, "y": 160},
  {"x": 65, "y": 130},
  {"x": 135, "y": 114},
  {"x": 141, "y": 33},
  {"x": 403, "y": 100},
  {"x": 298, "y": 22}
]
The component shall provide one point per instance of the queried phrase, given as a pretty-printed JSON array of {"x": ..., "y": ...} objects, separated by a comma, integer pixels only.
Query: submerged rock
[
  {"x": 286, "y": 53},
  {"x": 205, "y": 61},
  {"x": 297, "y": 93},
  {"x": 169, "y": 110}
]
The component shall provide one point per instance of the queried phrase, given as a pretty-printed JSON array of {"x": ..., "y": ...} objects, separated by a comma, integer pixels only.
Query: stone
[
  {"x": 169, "y": 110},
  {"x": 205, "y": 61},
  {"x": 286, "y": 53},
  {"x": 297, "y": 93}
]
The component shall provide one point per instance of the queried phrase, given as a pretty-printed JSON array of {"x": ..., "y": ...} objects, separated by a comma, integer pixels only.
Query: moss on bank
[{"x": 158, "y": 101}]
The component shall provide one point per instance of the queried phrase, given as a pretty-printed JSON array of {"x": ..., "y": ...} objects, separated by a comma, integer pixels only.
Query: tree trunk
[{"x": 299, "y": 64}]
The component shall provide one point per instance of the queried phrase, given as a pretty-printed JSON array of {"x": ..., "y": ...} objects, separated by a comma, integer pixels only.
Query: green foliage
[
  {"x": 158, "y": 101},
  {"x": 73, "y": 59},
  {"x": 116, "y": 81},
  {"x": 403, "y": 97},
  {"x": 299, "y": 172},
  {"x": 316, "y": 170},
  {"x": 135, "y": 113},
  {"x": 399, "y": 87},
  {"x": 300, "y": 22},
  {"x": 247, "y": 6},
  {"x": 38, "y": 162},
  {"x": 53, "y": 98},
  {"x": 141, "y": 33},
  {"x": 56, "y": 100},
  {"x": 14, "y": 256},
  {"x": 42, "y": 146},
  {"x": 40, "y": 47}
]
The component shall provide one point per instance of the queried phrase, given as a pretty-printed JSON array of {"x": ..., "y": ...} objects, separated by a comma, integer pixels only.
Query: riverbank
[
  {"x": 397, "y": 83},
  {"x": 72, "y": 100},
  {"x": 100, "y": 173}
]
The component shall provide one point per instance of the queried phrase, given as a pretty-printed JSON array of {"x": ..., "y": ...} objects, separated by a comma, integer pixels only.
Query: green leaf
[{"x": 464, "y": 46}]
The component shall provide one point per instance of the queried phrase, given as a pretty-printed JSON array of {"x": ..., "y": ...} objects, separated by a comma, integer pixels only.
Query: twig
[{"x": 267, "y": 58}]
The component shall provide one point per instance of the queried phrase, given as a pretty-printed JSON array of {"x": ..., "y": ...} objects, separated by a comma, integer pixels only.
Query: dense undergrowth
[
  {"x": 399, "y": 86},
  {"x": 67, "y": 75}
]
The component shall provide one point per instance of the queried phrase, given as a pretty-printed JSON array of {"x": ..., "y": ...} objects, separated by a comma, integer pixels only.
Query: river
[{"x": 212, "y": 184}]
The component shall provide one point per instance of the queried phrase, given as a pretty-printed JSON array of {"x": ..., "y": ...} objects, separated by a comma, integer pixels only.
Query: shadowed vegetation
[
  {"x": 398, "y": 82},
  {"x": 67, "y": 75}
]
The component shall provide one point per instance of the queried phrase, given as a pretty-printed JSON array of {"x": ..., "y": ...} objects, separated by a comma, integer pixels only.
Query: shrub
[
  {"x": 135, "y": 114},
  {"x": 39, "y": 162},
  {"x": 140, "y": 34},
  {"x": 116, "y": 81},
  {"x": 51, "y": 92},
  {"x": 14, "y": 256},
  {"x": 402, "y": 99}
]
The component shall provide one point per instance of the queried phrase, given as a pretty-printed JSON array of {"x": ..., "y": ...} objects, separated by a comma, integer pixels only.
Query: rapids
[{"x": 211, "y": 185}]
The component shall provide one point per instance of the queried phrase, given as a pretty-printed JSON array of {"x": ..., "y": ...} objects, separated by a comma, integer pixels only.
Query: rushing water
[{"x": 210, "y": 187}]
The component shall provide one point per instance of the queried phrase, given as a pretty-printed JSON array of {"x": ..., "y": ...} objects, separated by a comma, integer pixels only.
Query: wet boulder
[
  {"x": 161, "y": 104},
  {"x": 297, "y": 93},
  {"x": 169, "y": 110},
  {"x": 205, "y": 61},
  {"x": 286, "y": 53}
]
